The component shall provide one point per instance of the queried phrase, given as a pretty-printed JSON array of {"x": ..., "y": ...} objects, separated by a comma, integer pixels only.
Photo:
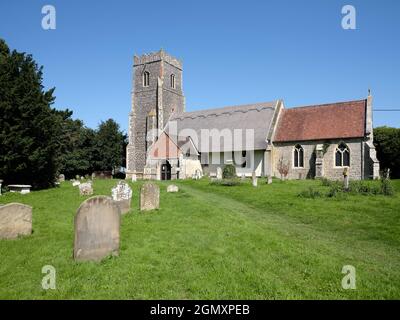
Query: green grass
[{"x": 214, "y": 242}]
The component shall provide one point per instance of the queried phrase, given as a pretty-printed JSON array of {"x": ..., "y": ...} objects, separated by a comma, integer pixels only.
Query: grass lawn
[{"x": 214, "y": 242}]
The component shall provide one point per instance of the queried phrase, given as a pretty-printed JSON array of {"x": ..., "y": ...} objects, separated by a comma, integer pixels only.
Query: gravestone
[
  {"x": 134, "y": 179},
  {"x": 122, "y": 195},
  {"x": 77, "y": 177},
  {"x": 172, "y": 188},
  {"x": 61, "y": 178},
  {"x": 243, "y": 177},
  {"x": 97, "y": 229},
  {"x": 219, "y": 173},
  {"x": 1, "y": 182},
  {"x": 254, "y": 179},
  {"x": 269, "y": 179},
  {"x": 346, "y": 179},
  {"x": 15, "y": 220},
  {"x": 198, "y": 174},
  {"x": 85, "y": 189},
  {"x": 149, "y": 197},
  {"x": 75, "y": 183},
  {"x": 21, "y": 188}
]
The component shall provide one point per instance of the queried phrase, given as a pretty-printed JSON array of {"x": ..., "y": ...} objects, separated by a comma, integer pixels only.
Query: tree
[
  {"x": 29, "y": 127},
  {"x": 387, "y": 143},
  {"x": 109, "y": 146},
  {"x": 76, "y": 146}
]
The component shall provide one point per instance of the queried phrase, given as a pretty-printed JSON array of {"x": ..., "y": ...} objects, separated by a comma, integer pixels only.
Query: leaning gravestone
[
  {"x": 149, "y": 197},
  {"x": 85, "y": 189},
  {"x": 219, "y": 173},
  {"x": 172, "y": 188},
  {"x": 122, "y": 195},
  {"x": 15, "y": 220},
  {"x": 97, "y": 229},
  {"x": 254, "y": 179}
]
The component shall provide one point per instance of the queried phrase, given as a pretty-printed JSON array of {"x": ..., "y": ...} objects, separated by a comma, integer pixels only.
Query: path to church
[{"x": 272, "y": 222}]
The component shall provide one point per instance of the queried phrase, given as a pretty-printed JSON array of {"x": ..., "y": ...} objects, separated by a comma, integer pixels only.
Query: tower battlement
[{"x": 160, "y": 55}]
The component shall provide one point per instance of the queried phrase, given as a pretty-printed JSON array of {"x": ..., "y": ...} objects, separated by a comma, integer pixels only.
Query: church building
[{"x": 267, "y": 139}]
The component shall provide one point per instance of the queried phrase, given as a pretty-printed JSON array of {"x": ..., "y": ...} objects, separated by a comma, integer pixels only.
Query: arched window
[
  {"x": 146, "y": 79},
  {"x": 342, "y": 155},
  {"x": 298, "y": 156},
  {"x": 173, "y": 81}
]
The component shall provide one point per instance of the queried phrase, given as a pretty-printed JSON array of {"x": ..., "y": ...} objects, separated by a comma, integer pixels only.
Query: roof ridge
[
  {"x": 193, "y": 116},
  {"x": 325, "y": 104},
  {"x": 233, "y": 106}
]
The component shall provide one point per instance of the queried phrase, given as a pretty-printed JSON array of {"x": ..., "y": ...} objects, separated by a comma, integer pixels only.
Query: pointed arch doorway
[{"x": 166, "y": 170}]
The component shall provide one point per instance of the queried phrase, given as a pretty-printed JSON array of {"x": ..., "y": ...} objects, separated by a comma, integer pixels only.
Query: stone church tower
[{"x": 157, "y": 93}]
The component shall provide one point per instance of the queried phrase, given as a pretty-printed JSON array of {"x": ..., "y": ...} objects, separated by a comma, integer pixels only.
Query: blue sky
[{"x": 234, "y": 52}]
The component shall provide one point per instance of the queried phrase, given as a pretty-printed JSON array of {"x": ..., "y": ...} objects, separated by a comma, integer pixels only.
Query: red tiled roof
[{"x": 327, "y": 121}]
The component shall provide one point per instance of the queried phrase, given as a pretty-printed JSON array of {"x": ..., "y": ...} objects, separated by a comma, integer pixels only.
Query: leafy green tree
[
  {"x": 387, "y": 143},
  {"x": 29, "y": 127},
  {"x": 76, "y": 146},
  {"x": 109, "y": 146}
]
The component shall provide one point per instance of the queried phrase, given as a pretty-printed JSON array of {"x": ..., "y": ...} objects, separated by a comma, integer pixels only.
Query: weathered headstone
[
  {"x": 198, "y": 174},
  {"x": 134, "y": 179},
  {"x": 15, "y": 220},
  {"x": 75, "y": 183},
  {"x": 122, "y": 195},
  {"x": 219, "y": 173},
  {"x": 97, "y": 229},
  {"x": 85, "y": 189},
  {"x": 21, "y": 188},
  {"x": 346, "y": 178},
  {"x": 172, "y": 188},
  {"x": 387, "y": 176},
  {"x": 269, "y": 180},
  {"x": 61, "y": 178},
  {"x": 254, "y": 179},
  {"x": 149, "y": 197}
]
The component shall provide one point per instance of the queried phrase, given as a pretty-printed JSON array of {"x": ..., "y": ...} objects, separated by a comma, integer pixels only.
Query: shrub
[
  {"x": 334, "y": 190},
  {"x": 229, "y": 171},
  {"x": 386, "y": 187},
  {"x": 310, "y": 193}
]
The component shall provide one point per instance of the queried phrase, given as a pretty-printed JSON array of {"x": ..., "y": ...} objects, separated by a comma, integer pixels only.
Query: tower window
[
  {"x": 342, "y": 155},
  {"x": 173, "y": 81},
  {"x": 298, "y": 156},
  {"x": 146, "y": 79}
]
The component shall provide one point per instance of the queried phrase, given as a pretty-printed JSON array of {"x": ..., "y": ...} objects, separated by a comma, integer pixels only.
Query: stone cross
[
  {"x": 122, "y": 195},
  {"x": 149, "y": 197},
  {"x": 15, "y": 220},
  {"x": 97, "y": 229}
]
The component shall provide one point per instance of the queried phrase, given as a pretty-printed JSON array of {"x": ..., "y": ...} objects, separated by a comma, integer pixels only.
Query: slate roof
[
  {"x": 320, "y": 122},
  {"x": 256, "y": 117}
]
